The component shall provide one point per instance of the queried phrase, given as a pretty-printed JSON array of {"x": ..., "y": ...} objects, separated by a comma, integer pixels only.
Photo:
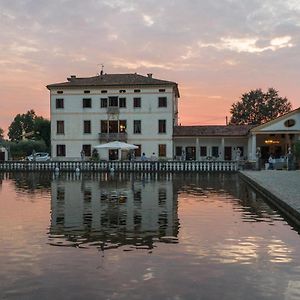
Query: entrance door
[
  {"x": 113, "y": 154},
  {"x": 2, "y": 156},
  {"x": 227, "y": 153},
  {"x": 190, "y": 153}
]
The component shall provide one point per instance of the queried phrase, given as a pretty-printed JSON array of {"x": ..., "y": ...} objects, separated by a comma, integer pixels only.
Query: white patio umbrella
[{"x": 116, "y": 145}]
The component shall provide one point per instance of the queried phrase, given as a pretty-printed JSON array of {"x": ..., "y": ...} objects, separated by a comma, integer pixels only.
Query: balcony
[
  {"x": 113, "y": 110},
  {"x": 109, "y": 137}
]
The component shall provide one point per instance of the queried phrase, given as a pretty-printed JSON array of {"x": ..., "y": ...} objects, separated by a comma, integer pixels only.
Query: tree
[
  {"x": 1, "y": 134},
  {"x": 257, "y": 107},
  {"x": 21, "y": 125},
  {"x": 42, "y": 130}
]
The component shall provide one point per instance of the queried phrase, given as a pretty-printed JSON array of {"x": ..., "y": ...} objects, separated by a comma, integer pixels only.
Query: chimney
[
  {"x": 149, "y": 75},
  {"x": 72, "y": 77}
]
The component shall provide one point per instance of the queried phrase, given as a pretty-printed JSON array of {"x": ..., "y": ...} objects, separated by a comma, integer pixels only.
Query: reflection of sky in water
[{"x": 199, "y": 236}]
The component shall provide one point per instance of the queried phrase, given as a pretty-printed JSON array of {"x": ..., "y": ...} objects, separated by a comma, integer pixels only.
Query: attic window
[
  {"x": 87, "y": 92},
  {"x": 161, "y": 90},
  {"x": 137, "y": 91},
  {"x": 103, "y": 92},
  {"x": 289, "y": 123},
  {"x": 122, "y": 91},
  {"x": 60, "y": 92}
]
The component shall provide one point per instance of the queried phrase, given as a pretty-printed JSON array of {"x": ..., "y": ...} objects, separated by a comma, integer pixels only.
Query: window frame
[
  {"x": 162, "y": 126},
  {"x": 59, "y": 103},
  {"x": 86, "y": 102},
  {"x": 61, "y": 150},
  {"x": 103, "y": 102},
  {"x": 122, "y": 102},
  {"x": 137, "y": 102},
  {"x": 162, "y": 102},
  {"x": 162, "y": 150},
  {"x": 87, "y": 127},
  {"x": 87, "y": 148},
  {"x": 60, "y": 127},
  {"x": 137, "y": 123}
]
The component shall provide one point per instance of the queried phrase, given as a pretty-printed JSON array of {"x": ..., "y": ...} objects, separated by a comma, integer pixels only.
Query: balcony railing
[
  {"x": 113, "y": 110},
  {"x": 109, "y": 137}
]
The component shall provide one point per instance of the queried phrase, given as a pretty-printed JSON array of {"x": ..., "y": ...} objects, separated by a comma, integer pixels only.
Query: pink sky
[{"x": 214, "y": 50}]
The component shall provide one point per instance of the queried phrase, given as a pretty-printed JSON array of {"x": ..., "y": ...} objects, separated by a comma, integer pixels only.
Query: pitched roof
[
  {"x": 257, "y": 128},
  {"x": 107, "y": 80},
  {"x": 212, "y": 130}
]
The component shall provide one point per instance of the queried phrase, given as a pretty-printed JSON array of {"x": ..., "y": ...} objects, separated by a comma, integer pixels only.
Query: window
[
  {"x": 162, "y": 102},
  {"x": 60, "y": 150},
  {"x": 87, "y": 149},
  {"x": 87, "y": 92},
  {"x": 59, "y": 103},
  {"x": 113, "y": 101},
  {"x": 122, "y": 102},
  {"x": 178, "y": 151},
  {"x": 60, "y": 92},
  {"x": 122, "y": 125},
  {"x": 137, "y": 126},
  {"x": 103, "y": 126},
  {"x": 122, "y": 91},
  {"x": 203, "y": 151},
  {"x": 162, "y": 150},
  {"x": 103, "y": 102},
  {"x": 289, "y": 123},
  {"x": 161, "y": 90},
  {"x": 215, "y": 151},
  {"x": 86, "y": 102},
  {"x": 137, "y": 91},
  {"x": 161, "y": 126},
  {"x": 103, "y": 92},
  {"x": 136, "y": 102},
  {"x": 87, "y": 126},
  {"x": 113, "y": 126},
  {"x": 60, "y": 127},
  {"x": 138, "y": 151}
]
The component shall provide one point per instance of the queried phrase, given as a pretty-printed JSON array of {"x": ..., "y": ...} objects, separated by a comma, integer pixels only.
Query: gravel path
[{"x": 285, "y": 185}]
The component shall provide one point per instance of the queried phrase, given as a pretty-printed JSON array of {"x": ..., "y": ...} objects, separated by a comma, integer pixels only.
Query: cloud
[
  {"x": 248, "y": 44},
  {"x": 148, "y": 20}
]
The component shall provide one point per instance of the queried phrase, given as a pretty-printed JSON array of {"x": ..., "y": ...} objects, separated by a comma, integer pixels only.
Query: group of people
[{"x": 271, "y": 160}]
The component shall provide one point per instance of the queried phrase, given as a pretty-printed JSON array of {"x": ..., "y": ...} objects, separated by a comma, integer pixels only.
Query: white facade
[{"x": 69, "y": 117}]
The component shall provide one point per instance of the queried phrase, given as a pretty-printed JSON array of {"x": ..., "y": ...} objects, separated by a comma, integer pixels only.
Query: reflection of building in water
[{"x": 113, "y": 210}]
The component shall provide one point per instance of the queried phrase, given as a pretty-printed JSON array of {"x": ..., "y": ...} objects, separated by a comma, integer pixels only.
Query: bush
[{"x": 19, "y": 150}]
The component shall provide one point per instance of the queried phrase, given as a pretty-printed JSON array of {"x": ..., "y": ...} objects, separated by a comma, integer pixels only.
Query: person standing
[{"x": 82, "y": 155}]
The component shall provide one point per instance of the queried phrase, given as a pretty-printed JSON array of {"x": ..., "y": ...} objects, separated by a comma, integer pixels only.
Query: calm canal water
[{"x": 112, "y": 236}]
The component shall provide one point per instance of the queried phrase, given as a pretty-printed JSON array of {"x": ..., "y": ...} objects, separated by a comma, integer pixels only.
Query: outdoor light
[{"x": 270, "y": 142}]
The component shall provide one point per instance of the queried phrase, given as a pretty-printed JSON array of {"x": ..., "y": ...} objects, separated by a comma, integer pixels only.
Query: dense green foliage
[
  {"x": 1, "y": 134},
  {"x": 24, "y": 148},
  {"x": 257, "y": 107},
  {"x": 30, "y": 127}
]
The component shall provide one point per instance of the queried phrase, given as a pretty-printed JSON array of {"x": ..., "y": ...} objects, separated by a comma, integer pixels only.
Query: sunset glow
[{"x": 214, "y": 50}]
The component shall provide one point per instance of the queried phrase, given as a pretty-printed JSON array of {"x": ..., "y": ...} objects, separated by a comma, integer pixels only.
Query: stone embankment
[{"x": 282, "y": 188}]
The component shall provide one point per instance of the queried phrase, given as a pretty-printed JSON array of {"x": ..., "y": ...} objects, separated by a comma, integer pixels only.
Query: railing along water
[{"x": 122, "y": 166}]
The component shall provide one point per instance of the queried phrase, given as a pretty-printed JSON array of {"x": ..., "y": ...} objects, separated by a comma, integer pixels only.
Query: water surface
[{"x": 125, "y": 236}]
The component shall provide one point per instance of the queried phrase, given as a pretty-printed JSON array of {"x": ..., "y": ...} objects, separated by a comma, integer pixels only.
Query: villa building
[
  {"x": 142, "y": 110},
  {"x": 132, "y": 108}
]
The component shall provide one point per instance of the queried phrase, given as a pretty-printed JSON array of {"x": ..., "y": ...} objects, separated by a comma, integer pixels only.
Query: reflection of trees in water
[
  {"x": 30, "y": 182},
  {"x": 113, "y": 210}
]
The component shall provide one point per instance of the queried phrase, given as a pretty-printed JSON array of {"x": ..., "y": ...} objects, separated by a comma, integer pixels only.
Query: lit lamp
[{"x": 271, "y": 142}]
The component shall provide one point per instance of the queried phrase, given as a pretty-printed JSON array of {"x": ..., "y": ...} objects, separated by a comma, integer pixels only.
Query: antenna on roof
[{"x": 102, "y": 67}]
